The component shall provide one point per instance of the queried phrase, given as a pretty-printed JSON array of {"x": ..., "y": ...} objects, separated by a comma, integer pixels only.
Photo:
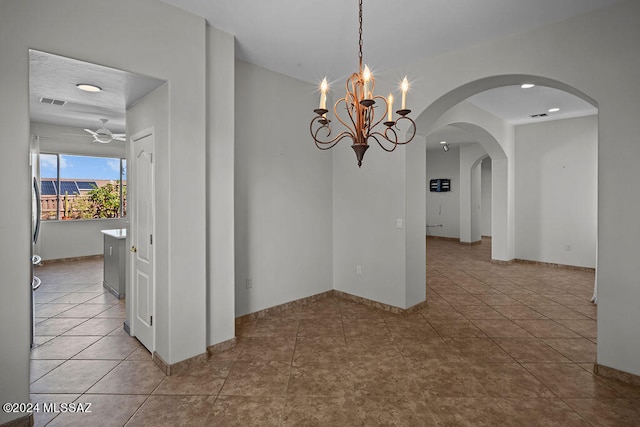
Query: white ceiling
[
  {"x": 308, "y": 40},
  {"x": 55, "y": 77}
]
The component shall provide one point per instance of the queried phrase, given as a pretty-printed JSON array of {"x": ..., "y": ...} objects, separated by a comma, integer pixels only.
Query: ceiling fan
[{"x": 104, "y": 135}]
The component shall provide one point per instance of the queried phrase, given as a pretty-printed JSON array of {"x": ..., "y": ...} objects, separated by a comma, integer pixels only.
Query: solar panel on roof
[
  {"x": 48, "y": 188},
  {"x": 68, "y": 187},
  {"x": 86, "y": 185}
]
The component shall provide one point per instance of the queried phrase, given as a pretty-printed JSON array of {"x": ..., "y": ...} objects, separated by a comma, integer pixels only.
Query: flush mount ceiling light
[
  {"x": 360, "y": 104},
  {"x": 87, "y": 87},
  {"x": 443, "y": 142},
  {"x": 527, "y": 85},
  {"x": 554, "y": 110}
]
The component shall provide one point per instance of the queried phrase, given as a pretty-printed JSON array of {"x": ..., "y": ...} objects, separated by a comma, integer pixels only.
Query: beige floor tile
[
  {"x": 607, "y": 412},
  {"x": 509, "y": 380},
  {"x": 205, "y": 379},
  {"x": 337, "y": 362},
  {"x": 42, "y": 417},
  {"x": 546, "y": 329},
  {"x": 110, "y": 347},
  {"x": 57, "y": 326},
  {"x": 393, "y": 411},
  {"x": 579, "y": 350},
  {"x": 85, "y": 310},
  {"x": 95, "y": 327},
  {"x": 241, "y": 411},
  {"x": 170, "y": 411},
  {"x": 73, "y": 376},
  {"x": 130, "y": 377},
  {"x": 530, "y": 350},
  {"x": 533, "y": 412},
  {"x": 568, "y": 380},
  {"x": 319, "y": 411},
  {"x": 467, "y": 411},
  {"x": 63, "y": 347},
  {"x": 501, "y": 329},
  {"x": 38, "y": 368},
  {"x": 257, "y": 379},
  {"x": 106, "y": 410},
  {"x": 321, "y": 379}
]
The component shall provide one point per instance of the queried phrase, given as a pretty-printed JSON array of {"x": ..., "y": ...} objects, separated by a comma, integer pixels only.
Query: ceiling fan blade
[
  {"x": 91, "y": 132},
  {"x": 119, "y": 138}
]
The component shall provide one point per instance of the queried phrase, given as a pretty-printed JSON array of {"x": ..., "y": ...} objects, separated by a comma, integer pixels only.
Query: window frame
[{"x": 57, "y": 180}]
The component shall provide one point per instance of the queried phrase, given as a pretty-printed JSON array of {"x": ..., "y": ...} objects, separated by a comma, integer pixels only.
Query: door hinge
[
  {"x": 151, "y": 239},
  {"x": 151, "y": 321}
]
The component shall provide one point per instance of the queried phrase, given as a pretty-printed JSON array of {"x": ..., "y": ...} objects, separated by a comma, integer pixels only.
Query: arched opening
[{"x": 497, "y": 139}]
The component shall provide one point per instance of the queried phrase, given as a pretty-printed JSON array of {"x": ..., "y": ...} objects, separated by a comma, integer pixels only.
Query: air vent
[
  {"x": 52, "y": 101},
  {"x": 536, "y": 116}
]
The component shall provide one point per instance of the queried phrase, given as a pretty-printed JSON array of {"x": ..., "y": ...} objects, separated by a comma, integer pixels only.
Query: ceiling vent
[
  {"x": 52, "y": 101},
  {"x": 537, "y": 116}
]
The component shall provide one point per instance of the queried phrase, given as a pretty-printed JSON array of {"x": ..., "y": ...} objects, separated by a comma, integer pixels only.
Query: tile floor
[{"x": 498, "y": 345}]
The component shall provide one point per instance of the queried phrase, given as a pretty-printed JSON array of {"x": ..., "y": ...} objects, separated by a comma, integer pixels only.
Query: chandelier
[{"x": 360, "y": 106}]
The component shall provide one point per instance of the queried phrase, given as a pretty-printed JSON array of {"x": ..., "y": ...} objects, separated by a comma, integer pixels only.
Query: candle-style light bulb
[
  {"x": 324, "y": 86},
  {"x": 366, "y": 76},
  {"x": 405, "y": 88},
  {"x": 390, "y": 108}
]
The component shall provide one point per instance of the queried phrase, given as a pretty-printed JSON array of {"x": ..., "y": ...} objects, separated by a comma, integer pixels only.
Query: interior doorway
[{"x": 78, "y": 115}]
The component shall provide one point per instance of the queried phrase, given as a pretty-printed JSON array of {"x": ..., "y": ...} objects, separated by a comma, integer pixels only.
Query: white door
[{"x": 142, "y": 226}]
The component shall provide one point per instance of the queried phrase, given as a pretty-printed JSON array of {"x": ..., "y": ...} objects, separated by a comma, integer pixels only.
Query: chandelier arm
[
  {"x": 326, "y": 145},
  {"x": 352, "y": 130},
  {"x": 372, "y": 111},
  {"x": 412, "y": 129},
  {"x": 375, "y": 136}
]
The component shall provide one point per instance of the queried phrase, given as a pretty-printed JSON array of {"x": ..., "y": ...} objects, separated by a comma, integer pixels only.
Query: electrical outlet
[
  {"x": 398, "y": 222},
  {"x": 358, "y": 270},
  {"x": 249, "y": 283}
]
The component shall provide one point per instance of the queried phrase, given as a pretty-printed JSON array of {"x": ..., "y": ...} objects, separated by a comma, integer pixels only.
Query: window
[{"x": 82, "y": 187}]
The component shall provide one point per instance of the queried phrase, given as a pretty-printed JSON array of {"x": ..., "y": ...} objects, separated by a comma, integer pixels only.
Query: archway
[{"x": 498, "y": 141}]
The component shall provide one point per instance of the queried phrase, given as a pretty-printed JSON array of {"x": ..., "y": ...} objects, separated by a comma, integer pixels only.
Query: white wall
[
  {"x": 283, "y": 185},
  {"x": 69, "y": 239},
  {"x": 556, "y": 191},
  {"x": 444, "y": 208},
  {"x": 220, "y": 184},
  {"x": 135, "y": 36},
  {"x": 485, "y": 202},
  {"x": 470, "y": 157}
]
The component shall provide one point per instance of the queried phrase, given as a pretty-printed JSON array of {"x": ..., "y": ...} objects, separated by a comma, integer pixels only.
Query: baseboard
[
  {"x": 502, "y": 262},
  {"x": 477, "y": 242},
  {"x": 282, "y": 307},
  {"x": 453, "y": 239},
  {"x": 182, "y": 366},
  {"x": 379, "y": 305},
  {"x": 25, "y": 421},
  {"x": 616, "y": 374},
  {"x": 554, "y": 265},
  {"x": 75, "y": 258},
  {"x": 222, "y": 346}
]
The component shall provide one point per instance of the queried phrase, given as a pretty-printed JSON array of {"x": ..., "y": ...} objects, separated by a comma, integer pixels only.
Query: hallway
[{"x": 497, "y": 345}]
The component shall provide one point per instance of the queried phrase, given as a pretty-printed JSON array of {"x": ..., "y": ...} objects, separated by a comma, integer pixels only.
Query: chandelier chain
[{"x": 360, "y": 36}]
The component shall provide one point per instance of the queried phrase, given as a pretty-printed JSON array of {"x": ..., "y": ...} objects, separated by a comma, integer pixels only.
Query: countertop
[{"x": 118, "y": 233}]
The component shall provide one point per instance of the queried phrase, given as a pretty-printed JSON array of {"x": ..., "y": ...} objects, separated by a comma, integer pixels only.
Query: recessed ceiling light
[
  {"x": 554, "y": 110},
  {"x": 88, "y": 87},
  {"x": 443, "y": 142},
  {"x": 527, "y": 85}
]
